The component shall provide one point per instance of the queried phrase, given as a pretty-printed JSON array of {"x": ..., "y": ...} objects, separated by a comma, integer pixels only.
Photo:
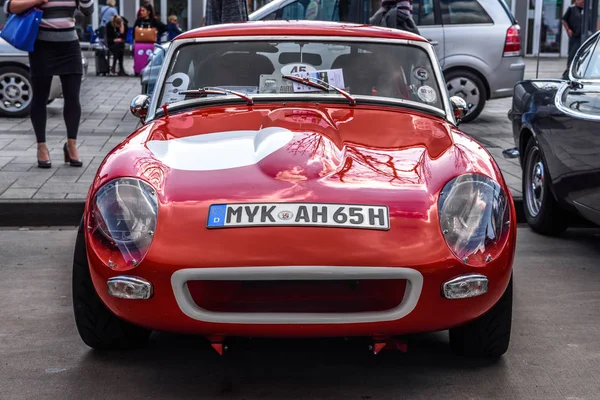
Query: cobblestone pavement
[{"x": 106, "y": 121}]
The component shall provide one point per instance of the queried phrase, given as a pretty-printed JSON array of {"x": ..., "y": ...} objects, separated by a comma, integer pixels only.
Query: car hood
[{"x": 352, "y": 155}]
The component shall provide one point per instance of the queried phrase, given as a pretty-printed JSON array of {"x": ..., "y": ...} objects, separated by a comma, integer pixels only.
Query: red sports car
[{"x": 297, "y": 179}]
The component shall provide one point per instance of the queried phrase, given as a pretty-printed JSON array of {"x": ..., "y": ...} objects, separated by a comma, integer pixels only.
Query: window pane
[
  {"x": 587, "y": 63},
  {"x": 423, "y": 13},
  {"x": 326, "y": 10},
  {"x": 258, "y": 67},
  {"x": 456, "y": 12},
  {"x": 179, "y": 9}
]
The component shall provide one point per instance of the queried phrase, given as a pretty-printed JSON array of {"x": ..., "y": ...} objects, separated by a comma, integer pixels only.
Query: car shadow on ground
[{"x": 280, "y": 368}]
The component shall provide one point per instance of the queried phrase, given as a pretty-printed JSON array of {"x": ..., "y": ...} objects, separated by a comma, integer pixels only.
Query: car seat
[
  {"x": 233, "y": 69},
  {"x": 368, "y": 74},
  {"x": 361, "y": 72}
]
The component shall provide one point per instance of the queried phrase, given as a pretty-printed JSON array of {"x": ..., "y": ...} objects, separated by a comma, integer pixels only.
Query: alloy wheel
[
  {"x": 534, "y": 182},
  {"x": 15, "y": 92},
  {"x": 465, "y": 88}
]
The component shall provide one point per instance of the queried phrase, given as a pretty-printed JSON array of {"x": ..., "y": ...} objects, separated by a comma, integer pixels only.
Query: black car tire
[
  {"x": 459, "y": 82},
  {"x": 98, "y": 327},
  {"x": 551, "y": 219},
  {"x": 22, "y": 75},
  {"x": 489, "y": 335}
]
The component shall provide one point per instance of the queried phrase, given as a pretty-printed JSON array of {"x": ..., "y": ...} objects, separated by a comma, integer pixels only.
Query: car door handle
[{"x": 433, "y": 42}]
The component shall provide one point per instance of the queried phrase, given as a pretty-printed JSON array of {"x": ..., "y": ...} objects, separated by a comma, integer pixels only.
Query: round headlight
[
  {"x": 474, "y": 217},
  {"x": 124, "y": 213}
]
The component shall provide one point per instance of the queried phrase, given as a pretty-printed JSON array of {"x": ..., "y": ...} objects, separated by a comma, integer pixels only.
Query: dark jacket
[
  {"x": 151, "y": 23},
  {"x": 390, "y": 18},
  {"x": 173, "y": 30},
  {"x": 225, "y": 11},
  {"x": 113, "y": 33}
]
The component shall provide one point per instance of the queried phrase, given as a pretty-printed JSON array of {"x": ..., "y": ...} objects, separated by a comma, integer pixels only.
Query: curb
[
  {"x": 41, "y": 212},
  {"x": 69, "y": 212}
]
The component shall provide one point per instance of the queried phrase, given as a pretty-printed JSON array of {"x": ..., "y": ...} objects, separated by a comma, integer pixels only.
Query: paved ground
[
  {"x": 554, "y": 351},
  {"x": 106, "y": 121}
]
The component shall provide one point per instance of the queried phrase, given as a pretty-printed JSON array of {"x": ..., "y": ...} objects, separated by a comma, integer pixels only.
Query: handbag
[
  {"x": 145, "y": 35},
  {"x": 21, "y": 30}
]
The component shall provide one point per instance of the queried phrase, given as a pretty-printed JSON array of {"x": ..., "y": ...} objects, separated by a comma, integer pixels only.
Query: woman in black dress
[
  {"x": 148, "y": 19},
  {"x": 56, "y": 52}
]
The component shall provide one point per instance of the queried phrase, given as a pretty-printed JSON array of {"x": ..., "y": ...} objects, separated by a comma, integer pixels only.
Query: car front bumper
[
  {"x": 502, "y": 81},
  {"x": 423, "y": 308}
]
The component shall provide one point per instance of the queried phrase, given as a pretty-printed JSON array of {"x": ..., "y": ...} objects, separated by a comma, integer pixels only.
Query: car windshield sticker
[
  {"x": 274, "y": 84},
  {"x": 427, "y": 94},
  {"x": 174, "y": 84},
  {"x": 421, "y": 73},
  {"x": 333, "y": 77},
  {"x": 296, "y": 67}
]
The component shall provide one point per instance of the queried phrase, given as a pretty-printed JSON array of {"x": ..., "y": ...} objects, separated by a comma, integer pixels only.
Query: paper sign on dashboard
[{"x": 334, "y": 77}]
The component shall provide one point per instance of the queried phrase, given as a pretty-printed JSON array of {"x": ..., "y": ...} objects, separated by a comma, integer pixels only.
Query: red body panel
[
  {"x": 366, "y": 155},
  {"x": 307, "y": 28}
]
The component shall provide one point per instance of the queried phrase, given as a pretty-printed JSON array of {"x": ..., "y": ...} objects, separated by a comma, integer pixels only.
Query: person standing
[
  {"x": 107, "y": 12},
  {"x": 173, "y": 28},
  {"x": 145, "y": 3},
  {"x": 395, "y": 14},
  {"x": 56, "y": 52},
  {"x": 148, "y": 19},
  {"x": 571, "y": 21},
  {"x": 225, "y": 11}
]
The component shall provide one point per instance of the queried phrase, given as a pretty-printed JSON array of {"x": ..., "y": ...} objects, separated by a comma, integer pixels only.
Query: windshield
[{"x": 398, "y": 71}]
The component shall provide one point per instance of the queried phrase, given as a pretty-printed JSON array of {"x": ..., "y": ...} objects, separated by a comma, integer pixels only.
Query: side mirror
[
  {"x": 139, "y": 106},
  {"x": 460, "y": 108}
]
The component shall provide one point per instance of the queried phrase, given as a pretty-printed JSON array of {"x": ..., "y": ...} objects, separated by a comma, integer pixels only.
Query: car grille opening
[{"x": 298, "y": 296}]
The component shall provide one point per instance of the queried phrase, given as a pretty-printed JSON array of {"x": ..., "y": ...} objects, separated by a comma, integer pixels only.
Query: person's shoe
[
  {"x": 123, "y": 73},
  {"x": 72, "y": 162},
  {"x": 44, "y": 164}
]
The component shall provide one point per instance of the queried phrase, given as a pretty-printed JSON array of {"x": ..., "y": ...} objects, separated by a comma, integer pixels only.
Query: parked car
[
  {"x": 261, "y": 198},
  {"x": 477, "y": 42},
  {"x": 555, "y": 125},
  {"x": 150, "y": 72},
  {"x": 15, "y": 82}
]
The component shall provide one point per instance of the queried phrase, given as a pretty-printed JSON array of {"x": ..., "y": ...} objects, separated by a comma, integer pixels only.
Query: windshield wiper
[
  {"x": 319, "y": 84},
  {"x": 203, "y": 92}
]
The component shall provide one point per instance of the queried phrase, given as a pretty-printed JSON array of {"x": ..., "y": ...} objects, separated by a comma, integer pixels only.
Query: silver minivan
[{"x": 477, "y": 41}]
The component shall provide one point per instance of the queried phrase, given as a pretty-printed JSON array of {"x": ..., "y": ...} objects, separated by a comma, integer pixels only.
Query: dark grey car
[{"x": 555, "y": 126}]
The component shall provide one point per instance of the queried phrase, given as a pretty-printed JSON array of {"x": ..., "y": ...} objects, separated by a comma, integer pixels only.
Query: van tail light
[{"x": 512, "y": 45}]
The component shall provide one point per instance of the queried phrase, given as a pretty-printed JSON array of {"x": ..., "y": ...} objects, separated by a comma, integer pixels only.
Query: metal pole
[{"x": 537, "y": 68}]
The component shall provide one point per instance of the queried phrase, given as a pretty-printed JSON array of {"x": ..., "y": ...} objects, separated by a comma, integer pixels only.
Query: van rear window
[
  {"x": 464, "y": 12},
  {"x": 512, "y": 18}
]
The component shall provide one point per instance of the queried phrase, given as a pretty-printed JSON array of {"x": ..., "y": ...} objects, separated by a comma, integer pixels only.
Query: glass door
[{"x": 544, "y": 27}]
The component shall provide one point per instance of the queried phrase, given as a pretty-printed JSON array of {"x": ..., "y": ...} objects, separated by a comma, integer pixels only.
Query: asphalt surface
[{"x": 554, "y": 352}]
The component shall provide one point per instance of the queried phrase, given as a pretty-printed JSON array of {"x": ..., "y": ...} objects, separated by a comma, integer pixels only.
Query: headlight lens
[
  {"x": 474, "y": 217},
  {"x": 124, "y": 218}
]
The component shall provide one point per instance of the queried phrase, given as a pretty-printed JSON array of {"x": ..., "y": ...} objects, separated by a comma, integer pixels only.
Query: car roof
[{"x": 298, "y": 28}]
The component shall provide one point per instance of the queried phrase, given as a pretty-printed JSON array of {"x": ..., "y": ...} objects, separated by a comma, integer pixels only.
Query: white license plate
[{"x": 298, "y": 214}]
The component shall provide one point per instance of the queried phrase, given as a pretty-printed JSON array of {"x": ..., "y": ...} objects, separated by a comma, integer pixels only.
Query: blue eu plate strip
[{"x": 216, "y": 215}]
